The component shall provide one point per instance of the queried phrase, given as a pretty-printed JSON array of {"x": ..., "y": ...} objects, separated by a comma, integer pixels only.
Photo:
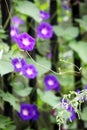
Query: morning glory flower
[
  {"x": 17, "y": 21},
  {"x": 51, "y": 83},
  {"x": 30, "y": 71},
  {"x": 44, "y": 15},
  {"x": 72, "y": 116},
  {"x": 18, "y": 64},
  {"x": 35, "y": 113},
  {"x": 65, "y": 104},
  {"x": 44, "y": 30},
  {"x": 25, "y": 41},
  {"x": 13, "y": 33},
  {"x": 25, "y": 111},
  {"x": 65, "y": 5},
  {"x": 28, "y": 112}
]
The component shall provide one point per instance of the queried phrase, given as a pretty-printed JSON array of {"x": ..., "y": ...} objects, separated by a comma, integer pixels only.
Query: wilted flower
[
  {"x": 18, "y": 64},
  {"x": 26, "y": 42},
  {"x": 30, "y": 71},
  {"x": 17, "y": 21},
  {"x": 44, "y": 15},
  {"x": 28, "y": 112},
  {"x": 44, "y": 30},
  {"x": 54, "y": 113},
  {"x": 51, "y": 83}
]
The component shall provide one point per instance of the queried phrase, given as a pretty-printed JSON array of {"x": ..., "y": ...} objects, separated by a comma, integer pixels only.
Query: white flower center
[
  {"x": 50, "y": 82},
  {"x": 29, "y": 71},
  {"x": 25, "y": 112},
  {"x": 13, "y": 33},
  {"x": 18, "y": 65},
  {"x": 44, "y": 31},
  {"x": 26, "y": 41}
]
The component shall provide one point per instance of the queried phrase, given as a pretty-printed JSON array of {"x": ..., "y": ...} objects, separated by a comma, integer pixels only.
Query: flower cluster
[
  {"x": 65, "y": 104},
  {"x": 24, "y": 40},
  {"x": 14, "y": 30},
  {"x": 44, "y": 29},
  {"x": 51, "y": 83},
  {"x": 29, "y": 112},
  {"x": 28, "y": 70}
]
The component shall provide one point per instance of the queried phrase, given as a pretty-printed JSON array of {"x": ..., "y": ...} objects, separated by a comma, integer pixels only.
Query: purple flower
[
  {"x": 72, "y": 116},
  {"x": 25, "y": 111},
  {"x": 51, "y": 83},
  {"x": 44, "y": 30},
  {"x": 81, "y": 98},
  {"x": 17, "y": 21},
  {"x": 13, "y": 33},
  {"x": 65, "y": 104},
  {"x": 26, "y": 42},
  {"x": 29, "y": 71},
  {"x": 28, "y": 112},
  {"x": 44, "y": 15},
  {"x": 65, "y": 5},
  {"x": 18, "y": 63},
  {"x": 35, "y": 113},
  {"x": 48, "y": 55}
]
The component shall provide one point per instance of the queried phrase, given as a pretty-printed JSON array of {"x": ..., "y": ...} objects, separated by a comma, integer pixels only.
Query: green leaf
[
  {"x": 80, "y": 48},
  {"x": 82, "y": 23},
  {"x": 58, "y": 30},
  {"x": 5, "y": 67},
  {"x": 84, "y": 114},
  {"x": 4, "y": 46},
  {"x": 23, "y": 92},
  {"x": 67, "y": 82},
  {"x": 67, "y": 33},
  {"x": 48, "y": 97},
  {"x": 20, "y": 89},
  {"x": 85, "y": 18},
  {"x": 11, "y": 127},
  {"x": 5, "y": 122},
  {"x": 71, "y": 33},
  {"x": 11, "y": 99},
  {"x": 42, "y": 64},
  {"x": 29, "y": 9},
  {"x": 2, "y": 31}
]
